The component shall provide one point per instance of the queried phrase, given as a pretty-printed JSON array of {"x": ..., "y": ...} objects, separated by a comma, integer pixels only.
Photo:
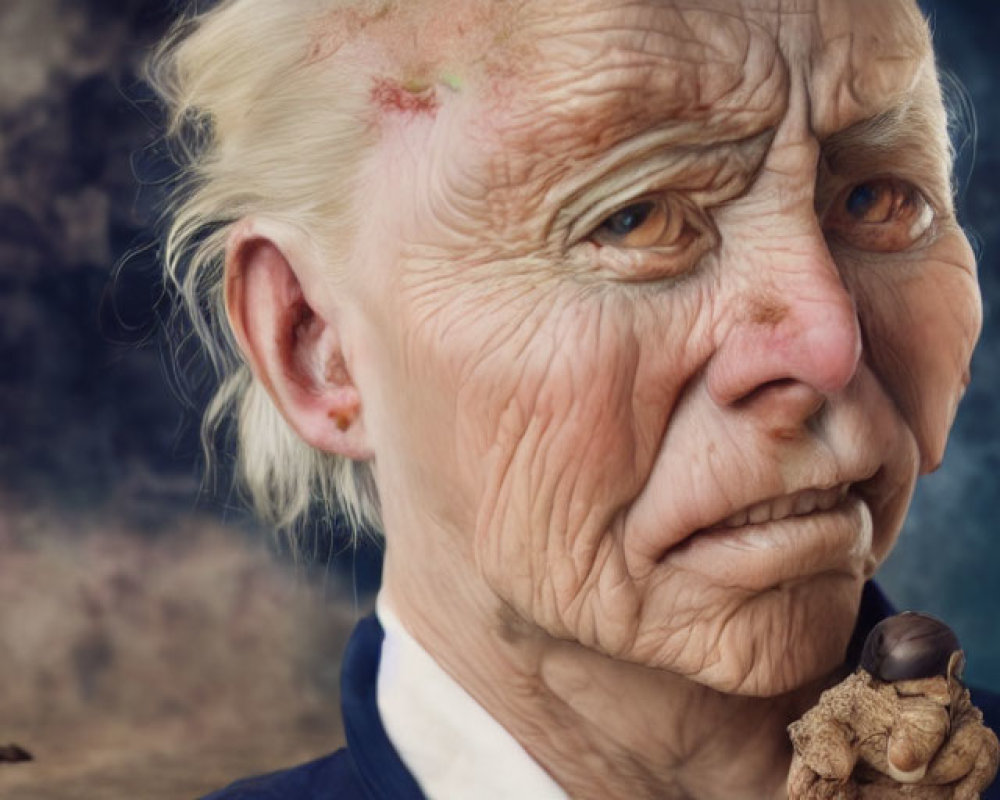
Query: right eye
[
  {"x": 884, "y": 215},
  {"x": 652, "y": 238},
  {"x": 656, "y": 222}
]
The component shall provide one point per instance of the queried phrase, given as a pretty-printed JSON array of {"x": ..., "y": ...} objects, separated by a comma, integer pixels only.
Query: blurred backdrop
[{"x": 154, "y": 642}]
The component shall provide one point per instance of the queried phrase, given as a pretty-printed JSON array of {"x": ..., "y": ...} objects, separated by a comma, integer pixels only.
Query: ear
[{"x": 293, "y": 347}]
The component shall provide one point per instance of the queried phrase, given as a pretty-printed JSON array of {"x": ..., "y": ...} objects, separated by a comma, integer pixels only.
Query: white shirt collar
[{"x": 449, "y": 742}]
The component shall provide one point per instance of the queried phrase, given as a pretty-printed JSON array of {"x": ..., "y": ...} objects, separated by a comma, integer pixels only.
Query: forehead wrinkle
[
  {"x": 636, "y": 74},
  {"x": 636, "y": 35},
  {"x": 870, "y": 56},
  {"x": 564, "y": 105}
]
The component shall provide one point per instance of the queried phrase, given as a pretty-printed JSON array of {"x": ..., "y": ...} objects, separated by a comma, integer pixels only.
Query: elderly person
[{"x": 630, "y": 324}]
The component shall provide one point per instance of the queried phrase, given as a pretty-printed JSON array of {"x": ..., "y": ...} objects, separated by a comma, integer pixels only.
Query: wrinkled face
[{"x": 664, "y": 309}]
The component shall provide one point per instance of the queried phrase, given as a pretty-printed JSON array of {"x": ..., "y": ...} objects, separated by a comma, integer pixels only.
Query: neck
[{"x": 602, "y": 728}]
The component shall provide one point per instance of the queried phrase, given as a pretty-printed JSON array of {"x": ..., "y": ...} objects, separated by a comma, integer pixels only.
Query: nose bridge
[
  {"x": 789, "y": 333},
  {"x": 790, "y": 319}
]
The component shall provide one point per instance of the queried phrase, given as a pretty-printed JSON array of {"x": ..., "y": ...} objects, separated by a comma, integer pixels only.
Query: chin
[{"x": 785, "y": 638}]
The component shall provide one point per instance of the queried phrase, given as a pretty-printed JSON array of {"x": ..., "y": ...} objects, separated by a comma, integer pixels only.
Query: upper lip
[
  {"x": 805, "y": 500},
  {"x": 800, "y": 503}
]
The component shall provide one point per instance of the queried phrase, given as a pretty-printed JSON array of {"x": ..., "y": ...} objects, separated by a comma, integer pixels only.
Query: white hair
[{"x": 263, "y": 123}]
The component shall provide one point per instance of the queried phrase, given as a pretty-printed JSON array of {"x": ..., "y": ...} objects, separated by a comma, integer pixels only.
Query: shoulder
[
  {"x": 332, "y": 775},
  {"x": 369, "y": 768}
]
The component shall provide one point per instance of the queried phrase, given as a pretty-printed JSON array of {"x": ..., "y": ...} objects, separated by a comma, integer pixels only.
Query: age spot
[{"x": 766, "y": 310}]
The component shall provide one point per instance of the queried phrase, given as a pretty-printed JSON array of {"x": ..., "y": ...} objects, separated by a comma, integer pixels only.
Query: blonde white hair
[{"x": 262, "y": 123}]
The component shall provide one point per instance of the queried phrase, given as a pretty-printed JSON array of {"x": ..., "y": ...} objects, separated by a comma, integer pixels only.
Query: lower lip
[{"x": 760, "y": 556}]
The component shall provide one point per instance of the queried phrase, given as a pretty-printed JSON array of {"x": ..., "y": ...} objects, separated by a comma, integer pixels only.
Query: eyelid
[
  {"x": 831, "y": 186},
  {"x": 708, "y": 174},
  {"x": 674, "y": 202},
  {"x": 655, "y": 263},
  {"x": 585, "y": 225}
]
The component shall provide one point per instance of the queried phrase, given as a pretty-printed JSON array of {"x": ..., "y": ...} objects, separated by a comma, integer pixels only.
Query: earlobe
[{"x": 292, "y": 343}]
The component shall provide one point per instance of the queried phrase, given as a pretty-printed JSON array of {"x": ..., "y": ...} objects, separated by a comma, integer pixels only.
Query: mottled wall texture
[
  {"x": 140, "y": 608},
  {"x": 152, "y": 644}
]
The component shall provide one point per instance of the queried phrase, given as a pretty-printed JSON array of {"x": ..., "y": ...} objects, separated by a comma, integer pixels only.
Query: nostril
[
  {"x": 780, "y": 386},
  {"x": 783, "y": 406}
]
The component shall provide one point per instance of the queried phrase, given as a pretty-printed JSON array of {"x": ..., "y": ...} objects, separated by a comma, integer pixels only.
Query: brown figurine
[{"x": 901, "y": 726}]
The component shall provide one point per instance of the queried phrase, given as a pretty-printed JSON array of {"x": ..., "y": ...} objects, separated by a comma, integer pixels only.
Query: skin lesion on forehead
[
  {"x": 411, "y": 97},
  {"x": 607, "y": 76},
  {"x": 599, "y": 71},
  {"x": 558, "y": 88},
  {"x": 410, "y": 50}
]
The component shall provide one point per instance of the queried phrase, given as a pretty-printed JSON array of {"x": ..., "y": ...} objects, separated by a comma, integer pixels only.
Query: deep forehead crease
[
  {"x": 612, "y": 71},
  {"x": 582, "y": 35},
  {"x": 655, "y": 63}
]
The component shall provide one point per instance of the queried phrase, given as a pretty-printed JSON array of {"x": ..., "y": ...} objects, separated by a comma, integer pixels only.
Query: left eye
[
  {"x": 656, "y": 222},
  {"x": 882, "y": 215}
]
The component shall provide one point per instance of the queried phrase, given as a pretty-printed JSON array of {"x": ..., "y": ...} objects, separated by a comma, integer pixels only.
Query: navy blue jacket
[{"x": 369, "y": 768}]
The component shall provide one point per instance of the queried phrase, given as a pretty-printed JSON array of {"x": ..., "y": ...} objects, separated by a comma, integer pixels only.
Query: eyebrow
[
  {"x": 905, "y": 136},
  {"x": 883, "y": 131},
  {"x": 649, "y": 163}
]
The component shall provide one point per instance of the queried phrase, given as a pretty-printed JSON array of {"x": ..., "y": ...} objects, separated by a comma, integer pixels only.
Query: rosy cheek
[{"x": 921, "y": 323}]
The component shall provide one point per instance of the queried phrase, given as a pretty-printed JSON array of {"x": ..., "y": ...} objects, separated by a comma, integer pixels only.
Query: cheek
[
  {"x": 921, "y": 323},
  {"x": 520, "y": 401},
  {"x": 561, "y": 448},
  {"x": 558, "y": 429}
]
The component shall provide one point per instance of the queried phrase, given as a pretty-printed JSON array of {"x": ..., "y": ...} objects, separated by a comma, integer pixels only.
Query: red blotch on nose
[{"x": 393, "y": 97}]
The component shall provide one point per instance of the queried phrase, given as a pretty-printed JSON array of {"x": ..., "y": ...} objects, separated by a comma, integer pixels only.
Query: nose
[{"x": 791, "y": 337}]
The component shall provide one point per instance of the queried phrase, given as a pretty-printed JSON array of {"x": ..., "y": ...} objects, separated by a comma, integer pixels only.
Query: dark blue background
[{"x": 89, "y": 408}]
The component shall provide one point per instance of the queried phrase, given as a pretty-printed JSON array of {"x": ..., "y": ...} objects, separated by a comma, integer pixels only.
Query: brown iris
[
  {"x": 654, "y": 222},
  {"x": 882, "y": 215}
]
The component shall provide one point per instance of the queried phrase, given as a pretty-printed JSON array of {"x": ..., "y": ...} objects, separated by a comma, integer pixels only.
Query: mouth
[
  {"x": 799, "y": 504},
  {"x": 810, "y": 532}
]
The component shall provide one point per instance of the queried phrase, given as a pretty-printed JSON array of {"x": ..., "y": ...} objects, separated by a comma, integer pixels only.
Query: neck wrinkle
[
  {"x": 662, "y": 736},
  {"x": 601, "y": 728}
]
